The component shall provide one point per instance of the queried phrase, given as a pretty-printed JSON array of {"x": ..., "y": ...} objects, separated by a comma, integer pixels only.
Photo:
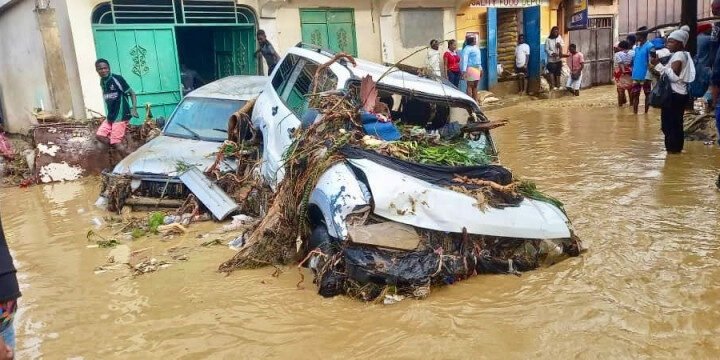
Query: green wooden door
[
  {"x": 147, "y": 58},
  {"x": 333, "y": 29},
  {"x": 234, "y": 52}
]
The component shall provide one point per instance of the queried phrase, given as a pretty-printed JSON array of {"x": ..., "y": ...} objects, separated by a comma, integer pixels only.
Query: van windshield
[{"x": 202, "y": 118}]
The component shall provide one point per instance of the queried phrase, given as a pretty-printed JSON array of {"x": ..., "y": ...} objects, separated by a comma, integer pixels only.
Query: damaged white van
[
  {"x": 391, "y": 215},
  {"x": 414, "y": 100}
]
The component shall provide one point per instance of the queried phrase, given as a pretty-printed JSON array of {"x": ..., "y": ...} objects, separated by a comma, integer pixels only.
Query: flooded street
[{"x": 649, "y": 286}]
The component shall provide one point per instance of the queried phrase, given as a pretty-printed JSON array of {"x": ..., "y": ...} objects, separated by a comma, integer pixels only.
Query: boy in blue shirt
[{"x": 640, "y": 74}]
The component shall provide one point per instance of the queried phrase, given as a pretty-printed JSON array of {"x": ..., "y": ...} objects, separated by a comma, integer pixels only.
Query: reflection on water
[{"x": 648, "y": 287}]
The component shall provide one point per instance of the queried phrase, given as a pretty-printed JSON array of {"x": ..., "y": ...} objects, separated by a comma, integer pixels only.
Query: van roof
[
  {"x": 394, "y": 78},
  {"x": 238, "y": 87}
]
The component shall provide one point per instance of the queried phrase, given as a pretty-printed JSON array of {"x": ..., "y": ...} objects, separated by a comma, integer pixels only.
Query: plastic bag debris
[
  {"x": 239, "y": 222},
  {"x": 237, "y": 243}
]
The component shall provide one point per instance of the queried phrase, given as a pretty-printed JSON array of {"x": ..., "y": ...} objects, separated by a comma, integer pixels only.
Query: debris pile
[
  {"x": 16, "y": 161},
  {"x": 372, "y": 272},
  {"x": 273, "y": 240}
]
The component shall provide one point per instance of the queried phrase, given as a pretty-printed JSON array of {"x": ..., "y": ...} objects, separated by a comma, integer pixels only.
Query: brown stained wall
[
  {"x": 636, "y": 13},
  {"x": 57, "y": 77}
]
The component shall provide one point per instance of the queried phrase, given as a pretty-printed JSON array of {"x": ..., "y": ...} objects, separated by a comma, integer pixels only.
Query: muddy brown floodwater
[{"x": 649, "y": 287}]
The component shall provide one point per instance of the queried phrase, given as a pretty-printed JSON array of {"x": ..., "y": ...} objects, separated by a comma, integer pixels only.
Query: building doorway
[
  {"x": 147, "y": 43},
  {"x": 596, "y": 43}
]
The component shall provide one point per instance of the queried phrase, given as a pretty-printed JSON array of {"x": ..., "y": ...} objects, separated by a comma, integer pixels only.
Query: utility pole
[{"x": 689, "y": 18}]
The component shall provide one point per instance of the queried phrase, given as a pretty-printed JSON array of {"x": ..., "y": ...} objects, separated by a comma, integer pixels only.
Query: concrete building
[{"x": 49, "y": 47}]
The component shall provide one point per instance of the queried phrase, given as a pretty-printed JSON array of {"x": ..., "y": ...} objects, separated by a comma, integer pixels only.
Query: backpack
[{"x": 700, "y": 85}]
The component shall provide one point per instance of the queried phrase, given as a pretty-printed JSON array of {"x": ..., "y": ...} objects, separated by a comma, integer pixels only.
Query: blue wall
[{"x": 531, "y": 29}]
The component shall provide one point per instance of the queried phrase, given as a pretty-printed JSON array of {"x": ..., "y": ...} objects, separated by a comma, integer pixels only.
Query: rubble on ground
[
  {"x": 16, "y": 160},
  {"x": 701, "y": 127}
]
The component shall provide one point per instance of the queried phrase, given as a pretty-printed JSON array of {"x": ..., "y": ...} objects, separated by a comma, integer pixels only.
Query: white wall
[
  {"x": 79, "y": 13},
  {"x": 23, "y": 84},
  {"x": 69, "y": 56}
]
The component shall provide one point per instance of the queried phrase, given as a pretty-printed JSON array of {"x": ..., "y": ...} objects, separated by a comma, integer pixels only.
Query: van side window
[
  {"x": 282, "y": 76},
  {"x": 298, "y": 97}
]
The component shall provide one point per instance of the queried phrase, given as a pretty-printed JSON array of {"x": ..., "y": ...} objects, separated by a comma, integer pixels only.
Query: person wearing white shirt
[
  {"x": 680, "y": 71},
  {"x": 553, "y": 49},
  {"x": 522, "y": 57},
  {"x": 433, "y": 58}
]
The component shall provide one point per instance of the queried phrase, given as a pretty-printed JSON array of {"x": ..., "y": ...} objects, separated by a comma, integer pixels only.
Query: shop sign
[
  {"x": 507, "y": 3},
  {"x": 579, "y": 19}
]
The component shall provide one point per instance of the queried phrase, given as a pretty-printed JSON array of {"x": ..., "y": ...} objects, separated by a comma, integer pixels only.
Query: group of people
[
  {"x": 454, "y": 65},
  {"x": 575, "y": 61},
  {"x": 466, "y": 64},
  {"x": 640, "y": 64}
]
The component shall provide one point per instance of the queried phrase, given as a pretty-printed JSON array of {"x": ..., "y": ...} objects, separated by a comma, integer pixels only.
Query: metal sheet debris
[{"x": 214, "y": 198}]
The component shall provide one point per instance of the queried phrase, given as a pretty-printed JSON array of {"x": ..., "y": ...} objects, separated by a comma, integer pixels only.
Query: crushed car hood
[
  {"x": 405, "y": 199},
  {"x": 165, "y": 154}
]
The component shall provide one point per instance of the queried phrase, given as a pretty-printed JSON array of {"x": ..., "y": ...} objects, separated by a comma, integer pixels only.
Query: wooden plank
[
  {"x": 633, "y": 15},
  {"x": 154, "y": 202},
  {"x": 660, "y": 11},
  {"x": 645, "y": 16},
  {"x": 678, "y": 11},
  {"x": 623, "y": 17},
  {"x": 705, "y": 10},
  {"x": 388, "y": 234}
]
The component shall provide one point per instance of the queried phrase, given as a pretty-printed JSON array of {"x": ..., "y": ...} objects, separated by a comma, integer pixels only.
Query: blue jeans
[
  {"x": 454, "y": 78},
  {"x": 8, "y": 335}
]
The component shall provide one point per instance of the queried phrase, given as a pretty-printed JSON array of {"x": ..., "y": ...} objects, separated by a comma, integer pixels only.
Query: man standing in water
[
  {"x": 640, "y": 75},
  {"x": 267, "y": 50},
  {"x": 715, "y": 78},
  {"x": 118, "y": 112},
  {"x": 9, "y": 293}
]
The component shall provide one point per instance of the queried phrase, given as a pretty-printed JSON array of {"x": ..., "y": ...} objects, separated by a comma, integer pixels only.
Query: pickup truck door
[
  {"x": 282, "y": 105},
  {"x": 274, "y": 119}
]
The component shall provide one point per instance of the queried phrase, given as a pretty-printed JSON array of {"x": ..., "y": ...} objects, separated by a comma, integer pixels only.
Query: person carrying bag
[{"x": 670, "y": 94}]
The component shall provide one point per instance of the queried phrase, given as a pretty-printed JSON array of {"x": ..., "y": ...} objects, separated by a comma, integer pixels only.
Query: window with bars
[
  {"x": 601, "y": 23},
  {"x": 172, "y": 12}
]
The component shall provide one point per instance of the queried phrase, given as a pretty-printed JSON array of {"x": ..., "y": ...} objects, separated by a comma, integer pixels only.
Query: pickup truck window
[
  {"x": 282, "y": 76},
  {"x": 299, "y": 96}
]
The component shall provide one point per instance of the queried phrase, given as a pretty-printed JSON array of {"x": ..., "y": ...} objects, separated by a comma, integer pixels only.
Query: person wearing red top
[
  {"x": 451, "y": 60},
  {"x": 576, "y": 63}
]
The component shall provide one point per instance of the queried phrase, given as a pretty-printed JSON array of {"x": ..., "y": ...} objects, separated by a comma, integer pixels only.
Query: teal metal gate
[
  {"x": 139, "y": 41},
  {"x": 141, "y": 56}
]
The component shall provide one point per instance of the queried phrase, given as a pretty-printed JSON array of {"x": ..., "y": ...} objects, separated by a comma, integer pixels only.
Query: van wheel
[{"x": 319, "y": 238}]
